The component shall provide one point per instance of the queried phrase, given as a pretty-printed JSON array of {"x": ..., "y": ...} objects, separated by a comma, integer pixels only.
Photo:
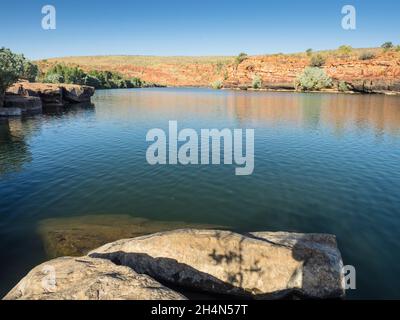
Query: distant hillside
[{"x": 278, "y": 70}]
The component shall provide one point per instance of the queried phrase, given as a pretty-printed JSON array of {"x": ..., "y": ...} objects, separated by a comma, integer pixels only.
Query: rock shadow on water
[{"x": 76, "y": 236}]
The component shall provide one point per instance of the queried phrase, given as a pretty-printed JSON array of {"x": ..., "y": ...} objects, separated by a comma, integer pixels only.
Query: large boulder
[
  {"x": 263, "y": 265},
  {"x": 88, "y": 279},
  {"x": 76, "y": 94}
]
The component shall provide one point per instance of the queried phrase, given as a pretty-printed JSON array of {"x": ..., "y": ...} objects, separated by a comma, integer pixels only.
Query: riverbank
[
  {"x": 369, "y": 70},
  {"x": 26, "y": 98}
]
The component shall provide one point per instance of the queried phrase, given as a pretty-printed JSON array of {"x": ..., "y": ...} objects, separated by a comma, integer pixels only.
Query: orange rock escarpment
[{"x": 381, "y": 73}]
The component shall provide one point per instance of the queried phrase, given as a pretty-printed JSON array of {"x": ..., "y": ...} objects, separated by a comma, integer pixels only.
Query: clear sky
[{"x": 218, "y": 27}]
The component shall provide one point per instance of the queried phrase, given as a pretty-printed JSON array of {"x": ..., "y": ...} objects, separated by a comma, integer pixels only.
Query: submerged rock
[
  {"x": 263, "y": 265},
  {"x": 86, "y": 278},
  {"x": 76, "y": 236}
]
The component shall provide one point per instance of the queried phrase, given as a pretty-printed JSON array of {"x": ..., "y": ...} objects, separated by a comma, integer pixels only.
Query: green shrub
[
  {"x": 136, "y": 83},
  {"x": 53, "y": 78},
  {"x": 317, "y": 61},
  {"x": 343, "y": 87},
  {"x": 240, "y": 58},
  {"x": 387, "y": 46},
  {"x": 31, "y": 71},
  {"x": 65, "y": 74},
  {"x": 98, "y": 79},
  {"x": 309, "y": 52},
  {"x": 11, "y": 69},
  {"x": 345, "y": 50},
  {"x": 366, "y": 56},
  {"x": 218, "y": 67},
  {"x": 217, "y": 84},
  {"x": 257, "y": 82},
  {"x": 313, "y": 79}
]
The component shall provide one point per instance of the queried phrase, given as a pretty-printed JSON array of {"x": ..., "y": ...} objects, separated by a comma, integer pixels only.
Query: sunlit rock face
[
  {"x": 260, "y": 265},
  {"x": 263, "y": 265},
  {"x": 86, "y": 278},
  {"x": 53, "y": 94}
]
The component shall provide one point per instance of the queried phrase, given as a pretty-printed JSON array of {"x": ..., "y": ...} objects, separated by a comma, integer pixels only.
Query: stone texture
[
  {"x": 53, "y": 94},
  {"x": 276, "y": 71},
  {"x": 261, "y": 265},
  {"x": 28, "y": 105},
  {"x": 88, "y": 279}
]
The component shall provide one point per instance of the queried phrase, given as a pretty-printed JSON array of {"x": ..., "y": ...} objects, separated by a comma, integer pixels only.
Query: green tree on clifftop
[{"x": 13, "y": 67}]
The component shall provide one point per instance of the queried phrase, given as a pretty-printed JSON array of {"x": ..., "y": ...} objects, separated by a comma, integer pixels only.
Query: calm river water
[{"x": 323, "y": 163}]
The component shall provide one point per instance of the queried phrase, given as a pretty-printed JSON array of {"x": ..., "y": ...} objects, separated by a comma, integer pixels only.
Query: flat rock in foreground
[
  {"x": 263, "y": 265},
  {"x": 86, "y": 278}
]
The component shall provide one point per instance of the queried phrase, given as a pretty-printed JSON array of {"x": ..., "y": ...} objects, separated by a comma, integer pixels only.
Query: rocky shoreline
[
  {"x": 26, "y": 98},
  {"x": 354, "y": 87},
  {"x": 258, "y": 265}
]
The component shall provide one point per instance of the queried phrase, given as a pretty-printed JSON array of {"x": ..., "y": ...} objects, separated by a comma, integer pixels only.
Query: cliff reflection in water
[
  {"x": 338, "y": 112},
  {"x": 15, "y": 134}
]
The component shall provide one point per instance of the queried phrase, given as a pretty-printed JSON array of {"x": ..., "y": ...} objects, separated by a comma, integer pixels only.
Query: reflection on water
[
  {"x": 323, "y": 163},
  {"x": 15, "y": 134},
  {"x": 337, "y": 111},
  {"x": 14, "y": 151}
]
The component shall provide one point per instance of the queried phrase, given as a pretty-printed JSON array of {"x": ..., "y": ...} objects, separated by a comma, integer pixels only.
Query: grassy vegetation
[
  {"x": 141, "y": 61},
  {"x": 367, "y": 55},
  {"x": 61, "y": 73},
  {"x": 317, "y": 61}
]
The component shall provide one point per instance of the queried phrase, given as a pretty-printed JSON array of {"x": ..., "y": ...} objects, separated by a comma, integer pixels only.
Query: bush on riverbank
[
  {"x": 257, "y": 82},
  {"x": 98, "y": 79},
  {"x": 317, "y": 61},
  {"x": 367, "y": 56},
  {"x": 13, "y": 67},
  {"x": 313, "y": 79},
  {"x": 217, "y": 85}
]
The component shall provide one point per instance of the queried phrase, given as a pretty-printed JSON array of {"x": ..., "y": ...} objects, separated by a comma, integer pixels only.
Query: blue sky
[{"x": 193, "y": 27}]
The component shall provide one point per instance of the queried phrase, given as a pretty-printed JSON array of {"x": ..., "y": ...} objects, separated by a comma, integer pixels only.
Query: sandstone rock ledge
[
  {"x": 88, "y": 279},
  {"x": 28, "y": 98},
  {"x": 259, "y": 265}
]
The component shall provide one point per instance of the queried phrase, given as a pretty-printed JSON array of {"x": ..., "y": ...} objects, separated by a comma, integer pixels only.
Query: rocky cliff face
[{"x": 381, "y": 73}]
